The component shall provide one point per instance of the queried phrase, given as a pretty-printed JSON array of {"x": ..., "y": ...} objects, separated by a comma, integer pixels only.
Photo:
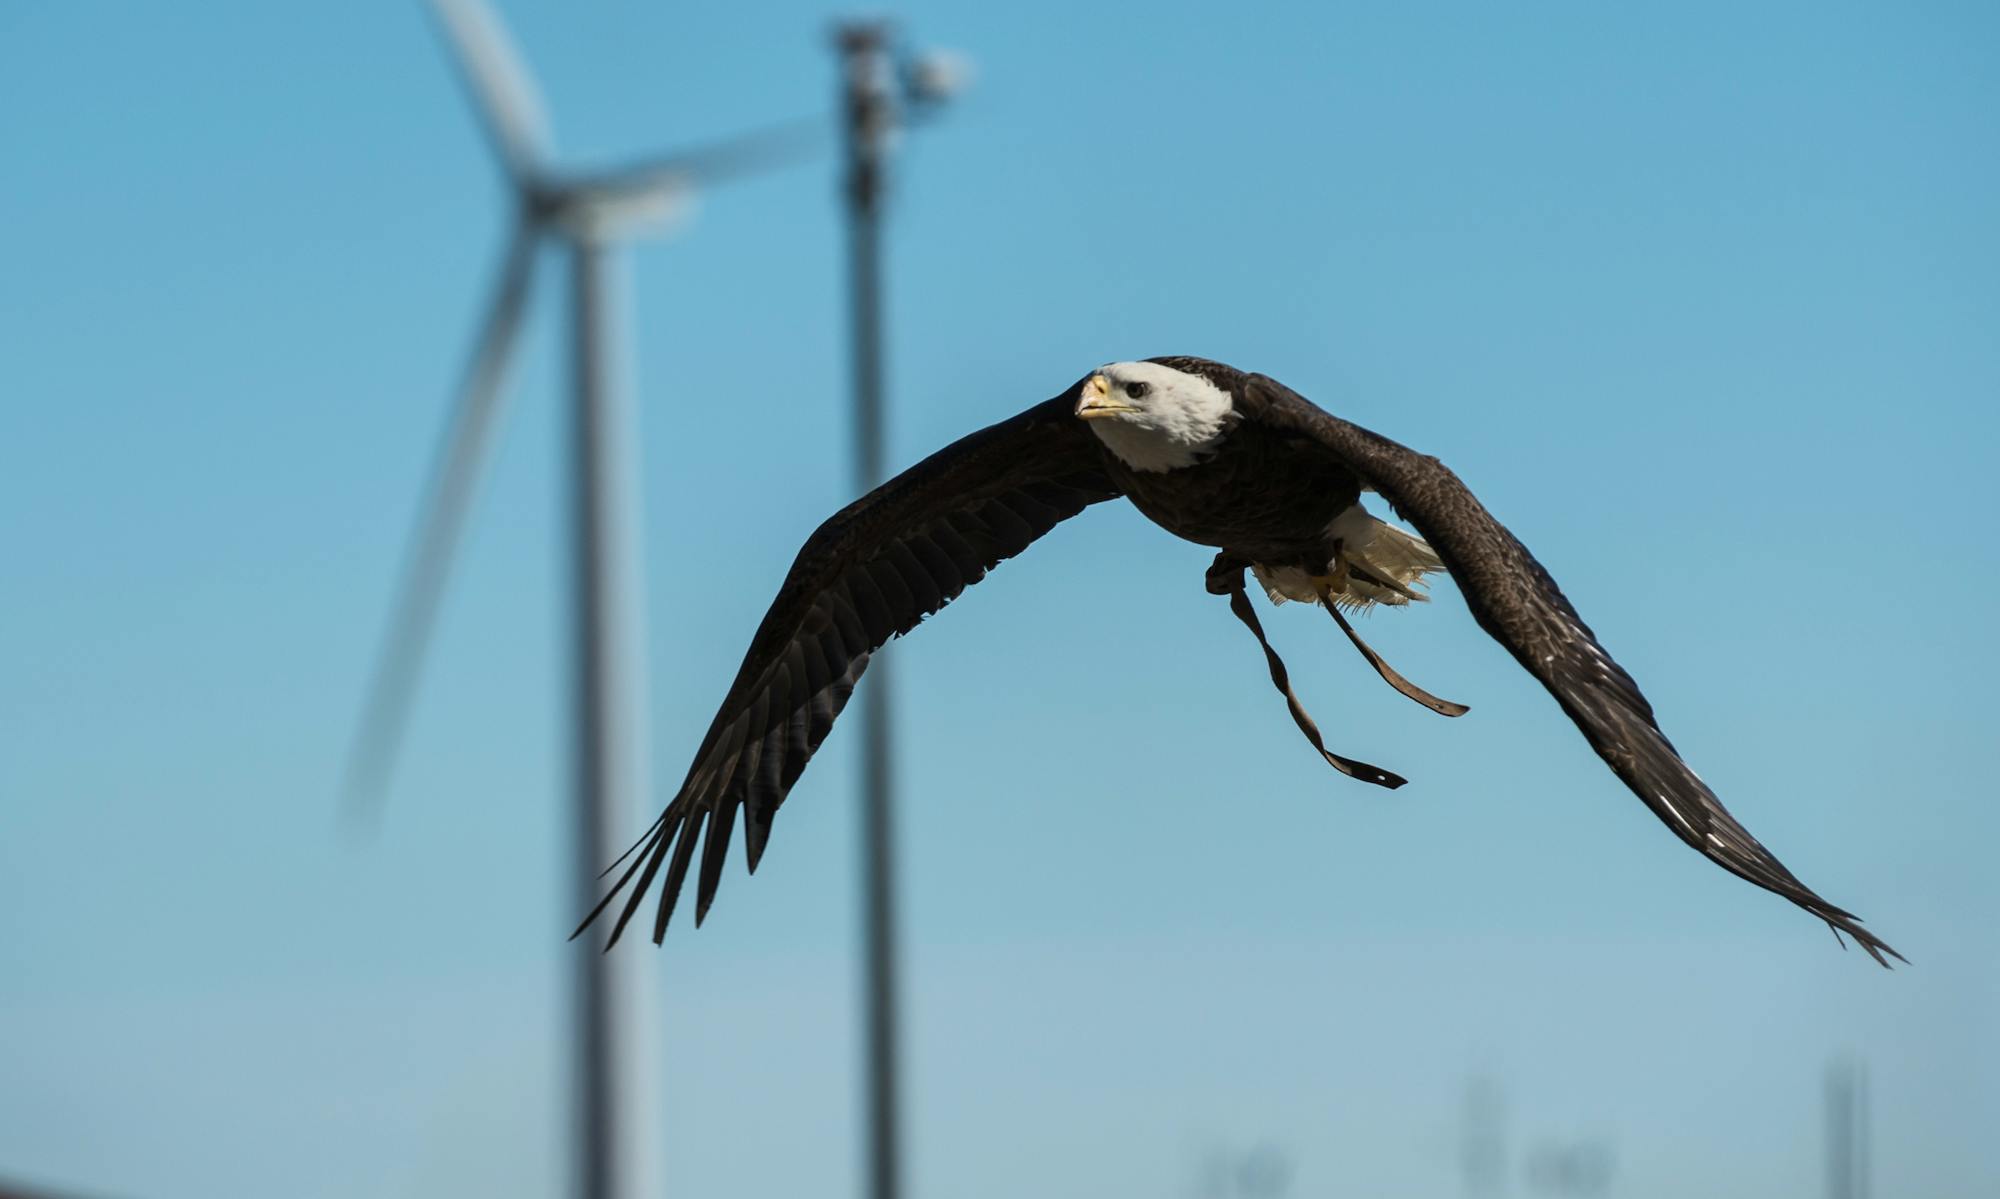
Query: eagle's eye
[{"x": 1137, "y": 390}]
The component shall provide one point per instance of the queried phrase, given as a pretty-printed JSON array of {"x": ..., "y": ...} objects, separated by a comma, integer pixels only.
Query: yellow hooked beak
[{"x": 1096, "y": 402}]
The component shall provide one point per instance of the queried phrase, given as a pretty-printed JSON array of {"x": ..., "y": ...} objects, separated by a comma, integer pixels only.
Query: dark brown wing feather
[
  {"x": 1516, "y": 601},
  {"x": 871, "y": 572}
]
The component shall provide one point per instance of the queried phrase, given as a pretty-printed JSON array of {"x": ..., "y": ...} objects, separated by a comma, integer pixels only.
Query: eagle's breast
[{"x": 1256, "y": 493}]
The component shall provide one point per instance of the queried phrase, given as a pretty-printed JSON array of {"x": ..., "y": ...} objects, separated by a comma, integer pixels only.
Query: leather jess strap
[
  {"x": 1239, "y": 603},
  {"x": 1442, "y": 707}
]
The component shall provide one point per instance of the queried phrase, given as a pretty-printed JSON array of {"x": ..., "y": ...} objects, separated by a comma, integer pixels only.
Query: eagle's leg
[
  {"x": 1225, "y": 577},
  {"x": 1225, "y": 574},
  {"x": 1389, "y": 675}
]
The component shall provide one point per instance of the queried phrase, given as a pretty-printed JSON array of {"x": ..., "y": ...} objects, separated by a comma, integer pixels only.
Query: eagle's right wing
[{"x": 871, "y": 572}]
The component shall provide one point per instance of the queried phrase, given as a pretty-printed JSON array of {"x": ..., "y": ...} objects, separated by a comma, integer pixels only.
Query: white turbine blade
[
  {"x": 764, "y": 149},
  {"x": 509, "y": 106},
  {"x": 454, "y": 475}
]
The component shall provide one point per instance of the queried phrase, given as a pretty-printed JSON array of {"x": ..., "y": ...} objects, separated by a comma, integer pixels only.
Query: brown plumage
[{"x": 1248, "y": 466}]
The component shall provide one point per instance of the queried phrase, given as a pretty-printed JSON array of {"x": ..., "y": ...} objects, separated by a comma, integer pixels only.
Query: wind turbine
[{"x": 589, "y": 214}]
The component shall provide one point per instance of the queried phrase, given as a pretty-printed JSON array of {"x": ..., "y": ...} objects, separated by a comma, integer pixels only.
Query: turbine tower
[{"x": 589, "y": 215}]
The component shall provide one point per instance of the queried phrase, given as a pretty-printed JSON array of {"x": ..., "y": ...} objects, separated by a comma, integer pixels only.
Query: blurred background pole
[
  {"x": 614, "y": 1106},
  {"x": 1846, "y": 1131},
  {"x": 868, "y": 105},
  {"x": 882, "y": 92},
  {"x": 1482, "y": 1148}
]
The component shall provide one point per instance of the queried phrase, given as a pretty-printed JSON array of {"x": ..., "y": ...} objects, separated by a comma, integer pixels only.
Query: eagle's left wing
[{"x": 1516, "y": 601}]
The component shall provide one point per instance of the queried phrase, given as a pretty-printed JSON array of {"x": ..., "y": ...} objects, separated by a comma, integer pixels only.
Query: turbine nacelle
[{"x": 600, "y": 211}]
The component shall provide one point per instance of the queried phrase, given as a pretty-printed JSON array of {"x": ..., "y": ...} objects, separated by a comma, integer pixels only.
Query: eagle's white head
[{"x": 1153, "y": 416}]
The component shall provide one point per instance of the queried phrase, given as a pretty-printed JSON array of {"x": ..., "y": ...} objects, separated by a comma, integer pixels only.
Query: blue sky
[{"x": 1700, "y": 301}]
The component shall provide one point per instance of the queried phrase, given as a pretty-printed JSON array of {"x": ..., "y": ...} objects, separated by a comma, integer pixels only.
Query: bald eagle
[{"x": 1217, "y": 456}]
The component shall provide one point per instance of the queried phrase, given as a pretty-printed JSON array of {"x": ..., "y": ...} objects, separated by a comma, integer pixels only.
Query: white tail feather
[{"x": 1374, "y": 547}]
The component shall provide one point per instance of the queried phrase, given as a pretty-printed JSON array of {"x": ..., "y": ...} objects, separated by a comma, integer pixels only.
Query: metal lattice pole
[
  {"x": 864, "y": 50},
  {"x": 880, "y": 92}
]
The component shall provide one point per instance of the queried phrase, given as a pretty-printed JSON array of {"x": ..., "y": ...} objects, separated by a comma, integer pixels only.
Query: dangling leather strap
[
  {"x": 1443, "y": 707},
  {"x": 1239, "y": 603}
]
